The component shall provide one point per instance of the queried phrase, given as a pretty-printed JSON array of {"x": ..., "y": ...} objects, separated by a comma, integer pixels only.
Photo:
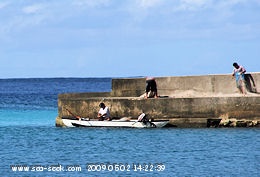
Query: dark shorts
[{"x": 151, "y": 86}]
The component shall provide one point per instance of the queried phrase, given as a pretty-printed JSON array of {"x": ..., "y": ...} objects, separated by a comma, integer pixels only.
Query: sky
[{"x": 127, "y": 38}]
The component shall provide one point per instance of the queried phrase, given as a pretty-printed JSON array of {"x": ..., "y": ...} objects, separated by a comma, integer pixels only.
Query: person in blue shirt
[{"x": 239, "y": 74}]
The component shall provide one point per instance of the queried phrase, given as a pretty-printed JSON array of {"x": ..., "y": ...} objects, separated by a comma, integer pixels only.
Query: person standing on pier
[{"x": 239, "y": 74}]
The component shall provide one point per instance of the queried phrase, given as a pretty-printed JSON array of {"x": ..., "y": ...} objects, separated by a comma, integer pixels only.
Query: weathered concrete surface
[
  {"x": 193, "y": 101},
  {"x": 172, "y": 86}
]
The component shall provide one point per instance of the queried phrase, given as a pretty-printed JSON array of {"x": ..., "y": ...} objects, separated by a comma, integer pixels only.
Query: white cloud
[
  {"x": 3, "y": 4},
  {"x": 129, "y": 19},
  {"x": 20, "y": 17},
  {"x": 91, "y": 3},
  {"x": 190, "y": 19},
  {"x": 148, "y": 3},
  {"x": 193, "y": 4},
  {"x": 33, "y": 8}
]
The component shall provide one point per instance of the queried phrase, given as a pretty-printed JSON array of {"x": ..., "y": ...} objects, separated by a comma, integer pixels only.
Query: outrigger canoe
[{"x": 137, "y": 123}]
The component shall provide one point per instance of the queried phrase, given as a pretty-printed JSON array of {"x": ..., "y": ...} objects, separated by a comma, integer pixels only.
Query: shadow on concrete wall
[{"x": 250, "y": 83}]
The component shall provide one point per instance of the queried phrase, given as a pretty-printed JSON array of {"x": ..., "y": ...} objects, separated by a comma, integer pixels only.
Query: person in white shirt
[{"x": 103, "y": 113}]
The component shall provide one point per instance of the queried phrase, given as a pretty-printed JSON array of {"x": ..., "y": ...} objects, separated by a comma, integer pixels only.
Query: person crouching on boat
[{"x": 103, "y": 113}]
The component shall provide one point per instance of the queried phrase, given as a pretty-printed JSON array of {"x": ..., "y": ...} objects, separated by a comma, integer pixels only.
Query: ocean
[{"x": 31, "y": 145}]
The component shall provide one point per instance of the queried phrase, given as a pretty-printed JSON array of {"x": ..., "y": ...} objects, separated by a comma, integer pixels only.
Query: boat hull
[{"x": 114, "y": 123}]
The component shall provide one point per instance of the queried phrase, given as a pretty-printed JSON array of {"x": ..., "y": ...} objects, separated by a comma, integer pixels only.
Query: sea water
[{"x": 31, "y": 145}]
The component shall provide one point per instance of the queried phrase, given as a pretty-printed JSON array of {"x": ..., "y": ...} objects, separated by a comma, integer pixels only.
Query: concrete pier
[{"x": 187, "y": 101}]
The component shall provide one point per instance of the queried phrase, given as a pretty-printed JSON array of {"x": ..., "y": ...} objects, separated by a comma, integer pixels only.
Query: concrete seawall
[{"x": 188, "y": 101}]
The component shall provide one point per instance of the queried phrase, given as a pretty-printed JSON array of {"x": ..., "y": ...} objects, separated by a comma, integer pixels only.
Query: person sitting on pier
[
  {"x": 103, "y": 113},
  {"x": 151, "y": 88}
]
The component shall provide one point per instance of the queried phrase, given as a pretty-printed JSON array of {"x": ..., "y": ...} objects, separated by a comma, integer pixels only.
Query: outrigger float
[{"x": 141, "y": 122}]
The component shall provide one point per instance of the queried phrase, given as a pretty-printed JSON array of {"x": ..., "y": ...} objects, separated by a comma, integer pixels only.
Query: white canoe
[{"x": 85, "y": 122}]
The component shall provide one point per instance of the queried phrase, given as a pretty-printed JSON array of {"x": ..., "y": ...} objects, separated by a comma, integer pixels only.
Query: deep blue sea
[{"x": 31, "y": 145}]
